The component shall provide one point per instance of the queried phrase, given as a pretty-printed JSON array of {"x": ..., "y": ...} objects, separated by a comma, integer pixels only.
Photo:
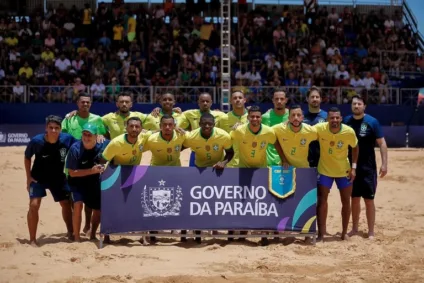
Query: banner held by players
[{"x": 142, "y": 198}]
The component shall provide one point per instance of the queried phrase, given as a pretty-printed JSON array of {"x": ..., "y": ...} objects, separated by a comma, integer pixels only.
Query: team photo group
[{"x": 70, "y": 156}]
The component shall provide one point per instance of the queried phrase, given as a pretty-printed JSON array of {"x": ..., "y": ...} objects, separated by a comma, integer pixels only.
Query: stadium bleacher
[{"x": 52, "y": 56}]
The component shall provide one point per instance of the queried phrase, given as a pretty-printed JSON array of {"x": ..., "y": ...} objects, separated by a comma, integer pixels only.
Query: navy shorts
[
  {"x": 365, "y": 184},
  {"x": 341, "y": 182},
  {"x": 91, "y": 197},
  {"x": 59, "y": 193}
]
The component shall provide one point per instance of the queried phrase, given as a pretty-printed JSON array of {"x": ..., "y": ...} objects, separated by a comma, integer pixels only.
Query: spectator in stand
[{"x": 97, "y": 90}]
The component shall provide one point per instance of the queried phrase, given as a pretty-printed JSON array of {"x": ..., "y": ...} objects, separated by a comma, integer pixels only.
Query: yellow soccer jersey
[
  {"x": 252, "y": 147},
  {"x": 226, "y": 122},
  {"x": 208, "y": 151},
  {"x": 191, "y": 118},
  {"x": 153, "y": 123},
  {"x": 115, "y": 123},
  {"x": 124, "y": 153},
  {"x": 295, "y": 145},
  {"x": 165, "y": 153},
  {"x": 334, "y": 149}
]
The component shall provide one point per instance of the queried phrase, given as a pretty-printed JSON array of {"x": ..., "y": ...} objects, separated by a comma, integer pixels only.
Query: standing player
[
  {"x": 252, "y": 140},
  {"x": 233, "y": 119},
  {"x": 208, "y": 144},
  {"x": 335, "y": 139},
  {"x": 368, "y": 132},
  {"x": 167, "y": 102},
  {"x": 313, "y": 116},
  {"x": 293, "y": 139},
  {"x": 115, "y": 121},
  {"x": 189, "y": 120},
  {"x": 274, "y": 117},
  {"x": 73, "y": 125},
  {"x": 84, "y": 169},
  {"x": 50, "y": 149},
  {"x": 166, "y": 147}
]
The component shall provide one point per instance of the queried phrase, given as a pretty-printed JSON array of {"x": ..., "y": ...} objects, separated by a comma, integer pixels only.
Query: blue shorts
[
  {"x": 90, "y": 197},
  {"x": 192, "y": 159},
  {"x": 341, "y": 182},
  {"x": 60, "y": 193}
]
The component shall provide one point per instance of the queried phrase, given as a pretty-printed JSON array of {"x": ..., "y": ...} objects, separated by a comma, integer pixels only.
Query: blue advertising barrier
[
  {"x": 394, "y": 136},
  {"x": 416, "y": 136},
  {"x": 15, "y": 135},
  {"x": 143, "y": 198}
]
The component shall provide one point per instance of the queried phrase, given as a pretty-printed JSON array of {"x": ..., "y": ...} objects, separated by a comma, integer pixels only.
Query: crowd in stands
[{"x": 109, "y": 49}]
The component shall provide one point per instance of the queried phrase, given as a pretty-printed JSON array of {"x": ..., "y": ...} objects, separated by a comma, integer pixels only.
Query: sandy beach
[{"x": 396, "y": 255}]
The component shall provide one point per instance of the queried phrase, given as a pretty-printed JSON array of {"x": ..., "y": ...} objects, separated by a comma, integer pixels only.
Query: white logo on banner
[
  {"x": 2, "y": 137},
  {"x": 18, "y": 138},
  {"x": 161, "y": 200}
]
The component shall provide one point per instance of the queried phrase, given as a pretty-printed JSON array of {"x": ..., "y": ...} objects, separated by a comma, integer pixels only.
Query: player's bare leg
[
  {"x": 32, "y": 219},
  {"x": 95, "y": 222},
  {"x": 77, "y": 219},
  {"x": 67, "y": 217},
  {"x": 345, "y": 196},
  {"x": 370, "y": 211},
  {"x": 322, "y": 211},
  {"x": 88, "y": 213},
  {"x": 356, "y": 211}
]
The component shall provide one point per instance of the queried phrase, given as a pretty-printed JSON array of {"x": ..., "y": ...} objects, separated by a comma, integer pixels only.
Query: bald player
[
  {"x": 279, "y": 114},
  {"x": 234, "y": 118},
  {"x": 369, "y": 132},
  {"x": 335, "y": 139},
  {"x": 167, "y": 103}
]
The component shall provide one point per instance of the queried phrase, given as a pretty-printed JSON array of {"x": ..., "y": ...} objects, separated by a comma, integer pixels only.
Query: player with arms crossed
[
  {"x": 313, "y": 116},
  {"x": 84, "y": 169},
  {"x": 50, "y": 149},
  {"x": 368, "y": 131},
  {"x": 209, "y": 144},
  {"x": 274, "y": 117},
  {"x": 335, "y": 139},
  {"x": 167, "y": 103}
]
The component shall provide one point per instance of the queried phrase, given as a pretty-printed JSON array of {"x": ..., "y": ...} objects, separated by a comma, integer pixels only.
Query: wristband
[{"x": 353, "y": 165}]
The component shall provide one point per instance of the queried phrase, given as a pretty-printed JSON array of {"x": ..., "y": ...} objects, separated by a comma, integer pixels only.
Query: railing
[
  {"x": 254, "y": 94},
  {"x": 13, "y": 94},
  {"x": 185, "y": 94}
]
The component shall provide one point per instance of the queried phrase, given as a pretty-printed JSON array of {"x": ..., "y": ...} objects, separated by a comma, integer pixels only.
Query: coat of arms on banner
[{"x": 161, "y": 200}]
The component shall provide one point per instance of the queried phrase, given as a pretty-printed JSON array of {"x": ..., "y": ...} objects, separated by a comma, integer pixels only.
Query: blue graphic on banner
[
  {"x": 282, "y": 182},
  {"x": 143, "y": 198}
]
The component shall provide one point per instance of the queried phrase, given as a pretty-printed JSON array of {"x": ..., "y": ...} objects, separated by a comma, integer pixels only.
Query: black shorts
[
  {"x": 91, "y": 197},
  {"x": 365, "y": 184}
]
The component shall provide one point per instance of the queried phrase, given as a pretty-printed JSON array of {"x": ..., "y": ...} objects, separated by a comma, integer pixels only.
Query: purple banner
[
  {"x": 143, "y": 198},
  {"x": 12, "y": 135},
  {"x": 416, "y": 136},
  {"x": 395, "y": 136}
]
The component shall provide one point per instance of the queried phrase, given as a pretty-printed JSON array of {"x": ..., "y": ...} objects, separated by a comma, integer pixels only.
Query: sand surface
[{"x": 396, "y": 255}]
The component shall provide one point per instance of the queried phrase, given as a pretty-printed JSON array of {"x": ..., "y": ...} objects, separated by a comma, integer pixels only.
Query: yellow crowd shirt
[
  {"x": 124, "y": 153},
  {"x": 87, "y": 17},
  {"x": 210, "y": 151},
  {"x": 131, "y": 24},
  {"x": 165, "y": 153},
  {"x": 295, "y": 145},
  {"x": 333, "y": 161},
  {"x": 226, "y": 122},
  {"x": 252, "y": 147},
  {"x": 191, "y": 118},
  {"x": 117, "y": 32},
  {"x": 116, "y": 123},
  {"x": 152, "y": 123}
]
